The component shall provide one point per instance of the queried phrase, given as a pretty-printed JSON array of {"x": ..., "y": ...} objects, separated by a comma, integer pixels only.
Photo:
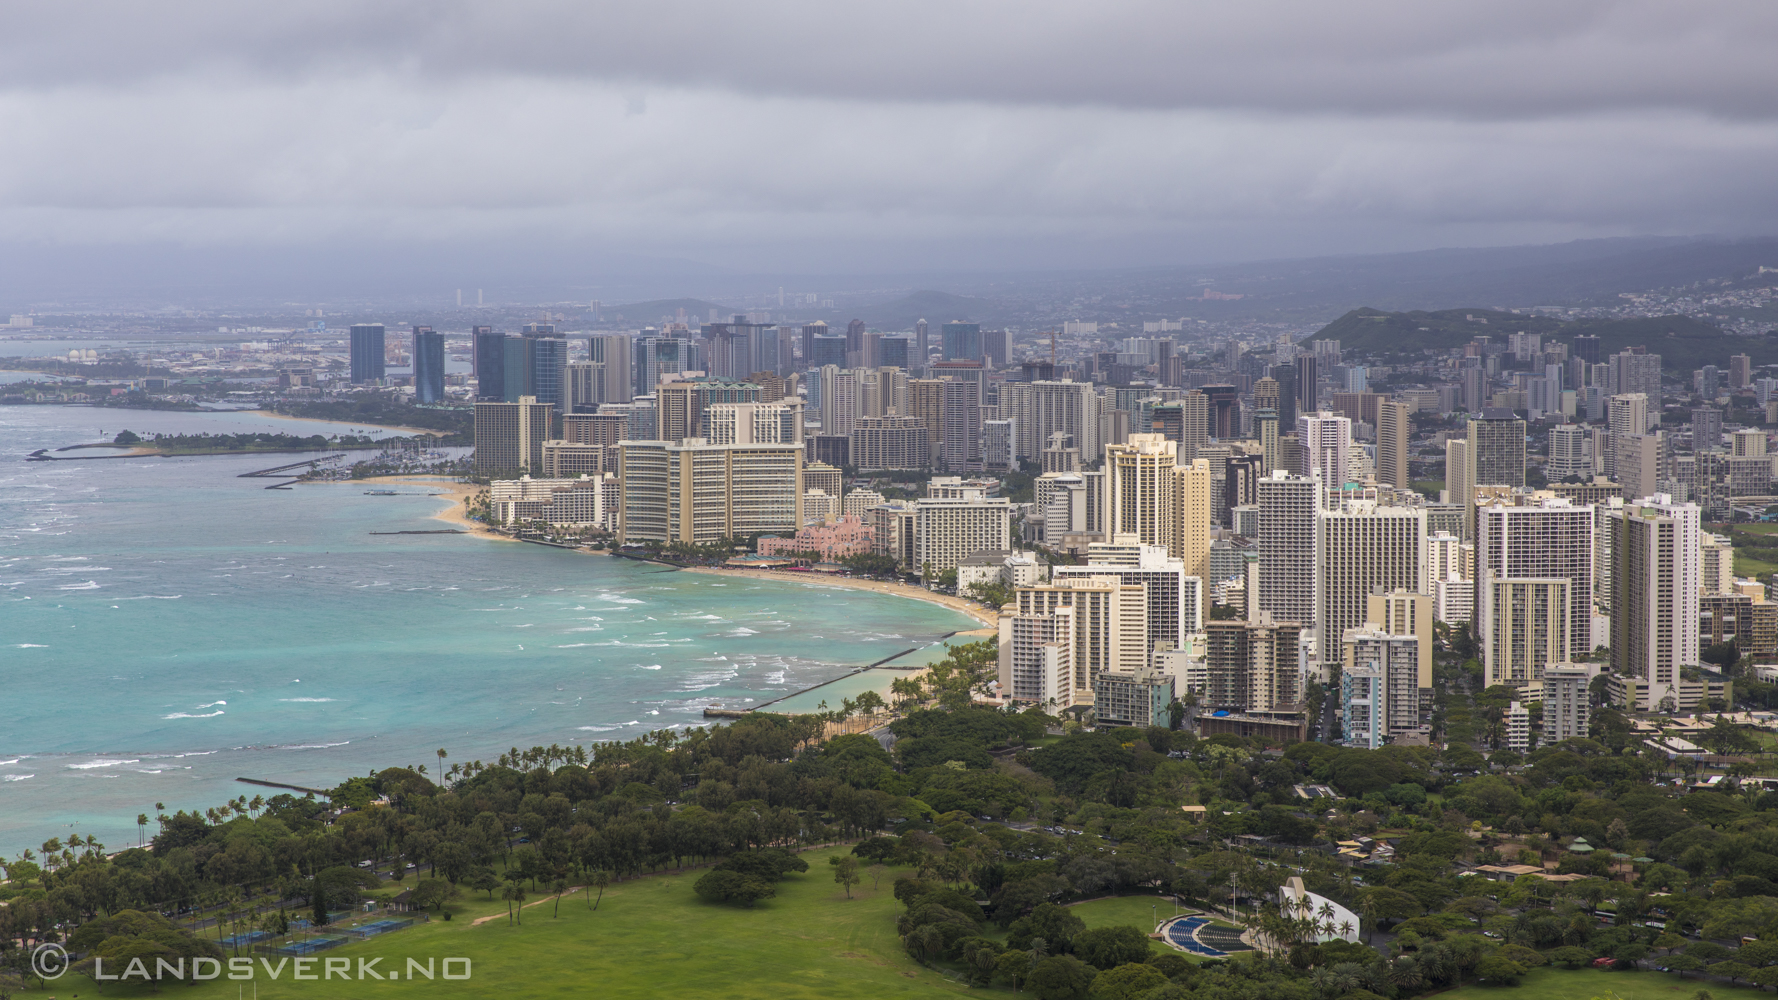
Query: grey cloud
[{"x": 1509, "y": 59}]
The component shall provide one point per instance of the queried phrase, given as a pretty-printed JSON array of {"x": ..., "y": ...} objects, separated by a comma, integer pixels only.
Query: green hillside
[{"x": 1683, "y": 343}]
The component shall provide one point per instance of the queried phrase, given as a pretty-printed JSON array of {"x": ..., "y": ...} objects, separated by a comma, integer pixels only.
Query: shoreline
[
  {"x": 345, "y": 423},
  {"x": 450, "y": 489},
  {"x": 957, "y": 604}
]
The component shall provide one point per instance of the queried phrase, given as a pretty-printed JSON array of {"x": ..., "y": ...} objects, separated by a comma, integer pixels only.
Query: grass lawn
[
  {"x": 1135, "y": 911},
  {"x": 1749, "y": 566},
  {"x": 1583, "y": 984},
  {"x": 650, "y": 937}
]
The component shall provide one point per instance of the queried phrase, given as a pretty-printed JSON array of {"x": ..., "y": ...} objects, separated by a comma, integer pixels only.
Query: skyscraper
[
  {"x": 810, "y": 332},
  {"x": 429, "y": 365},
  {"x": 1358, "y": 549},
  {"x": 1327, "y": 446},
  {"x": 490, "y": 365},
  {"x": 549, "y": 359},
  {"x": 1655, "y": 578},
  {"x": 1287, "y": 506},
  {"x": 962, "y": 341},
  {"x": 519, "y": 368},
  {"x": 1308, "y": 398},
  {"x": 1392, "y": 444},
  {"x": 1568, "y": 454},
  {"x": 367, "y": 352},
  {"x": 616, "y": 353},
  {"x": 509, "y": 436},
  {"x": 1139, "y": 475},
  {"x": 921, "y": 357},
  {"x": 699, "y": 493},
  {"x": 1497, "y": 448},
  {"x": 1252, "y": 666}
]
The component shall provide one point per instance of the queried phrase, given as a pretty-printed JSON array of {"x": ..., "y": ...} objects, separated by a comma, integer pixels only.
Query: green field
[
  {"x": 1585, "y": 984},
  {"x": 650, "y": 937}
]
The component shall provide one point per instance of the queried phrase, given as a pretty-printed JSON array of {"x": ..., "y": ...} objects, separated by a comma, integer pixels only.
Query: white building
[
  {"x": 1175, "y": 600},
  {"x": 948, "y": 530},
  {"x": 1566, "y": 701},
  {"x": 589, "y": 501},
  {"x": 1518, "y": 728},
  {"x": 1326, "y": 440},
  {"x": 1656, "y": 577}
]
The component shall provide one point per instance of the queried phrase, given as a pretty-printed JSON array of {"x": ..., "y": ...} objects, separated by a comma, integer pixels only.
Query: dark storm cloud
[{"x": 957, "y": 131}]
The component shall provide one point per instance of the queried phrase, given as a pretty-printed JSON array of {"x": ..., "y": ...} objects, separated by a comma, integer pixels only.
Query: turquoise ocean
[{"x": 167, "y": 627}]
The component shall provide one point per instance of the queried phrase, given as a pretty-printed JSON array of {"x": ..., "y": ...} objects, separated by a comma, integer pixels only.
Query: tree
[
  {"x": 1109, "y": 947},
  {"x": 1499, "y": 970},
  {"x": 1571, "y": 956},
  {"x": 1013, "y": 967},
  {"x": 1061, "y": 977},
  {"x": 1128, "y": 982},
  {"x": 484, "y": 880},
  {"x": 431, "y": 892},
  {"x": 560, "y": 886},
  {"x": 514, "y": 892},
  {"x": 601, "y": 878},
  {"x": 845, "y": 871},
  {"x": 722, "y": 886}
]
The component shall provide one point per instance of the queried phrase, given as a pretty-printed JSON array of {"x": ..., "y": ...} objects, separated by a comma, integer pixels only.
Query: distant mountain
[
  {"x": 697, "y": 311},
  {"x": 1684, "y": 344},
  {"x": 936, "y": 308}
]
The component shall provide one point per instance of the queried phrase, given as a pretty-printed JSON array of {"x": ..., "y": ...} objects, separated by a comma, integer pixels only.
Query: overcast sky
[{"x": 913, "y": 134}]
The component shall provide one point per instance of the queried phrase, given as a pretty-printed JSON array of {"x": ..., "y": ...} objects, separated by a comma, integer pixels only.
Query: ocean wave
[
  {"x": 574, "y": 645},
  {"x": 213, "y": 704},
  {"x": 736, "y": 633},
  {"x": 307, "y": 699},
  {"x": 153, "y": 597},
  {"x": 587, "y": 628},
  {"x": 185, "y": 715},
  {"x": 15, "y": 760},
  {"x": 596, "y": 729},
  {"x": 102, "y": 762},
  {"x": 89, "y": 585},
  {"x": 29, "y": 645},
  {"x": 16, "y": 777},
  {"x": 648, "y": 666}
]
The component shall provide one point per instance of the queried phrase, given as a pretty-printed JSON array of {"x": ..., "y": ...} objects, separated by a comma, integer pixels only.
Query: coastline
[
  {"x": 449, "y": 489},
  {"x": 345, "y": 423},
  {"x": 957, "y": 604}
]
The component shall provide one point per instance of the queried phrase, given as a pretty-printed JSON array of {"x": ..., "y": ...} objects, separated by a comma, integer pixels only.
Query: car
[
  {"x": 365, "y": 864},
  {"x": 1604, "y": 963},
  {"x": 1489, "y": 934}
]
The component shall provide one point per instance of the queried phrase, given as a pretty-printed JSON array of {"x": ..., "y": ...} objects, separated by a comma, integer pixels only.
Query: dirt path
[{"x": 478, "y": 921}]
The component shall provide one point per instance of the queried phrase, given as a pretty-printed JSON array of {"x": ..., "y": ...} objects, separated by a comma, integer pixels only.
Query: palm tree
[
  {"x": 513, "y": 893},
  {"x": 600, "y": 880},
  {"x": 560, "y": 887},
  {"x": 141, "y": 827}
]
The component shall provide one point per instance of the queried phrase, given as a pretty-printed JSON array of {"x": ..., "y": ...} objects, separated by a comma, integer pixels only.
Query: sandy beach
[
  {"x": 957, "y": 604},
  {"x": 347, "y": 423},
  {"x": 447, "y": 489}
]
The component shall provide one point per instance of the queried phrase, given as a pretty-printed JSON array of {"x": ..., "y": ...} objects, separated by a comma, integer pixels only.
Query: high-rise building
[
  {"x": 1194, "y": 424},
  {"x": 490, "y": 365},
  {"x": 683, "y": 402},
  {"x": 1287, "y": 506},
  {"x": 1631, "y": 372},
  {"x": 509, "y": 436},
  {"x": 549, "y": 362},
  {"x": 892, "y": 442},
  {"x": 1497, "y": 448},
  {"x": 1327, "y": 446},
  {"x": 1380, "y": 694},
  {"x": 1252, "y": 666},
  {"x": 1265, "y": 394},
  {"x": 616, "y": 353},
  {"x": 1069, "y": 407},
  {"x": 1706, "y": 428},
  {"x": 1567, "y": 702},
  {"x": 657, "y": 356},
  {"x": 921, "y": 346},
  {"x": 1460, "y": 480},
  {"x": 997, "y": 445},
  {"x": 755, "y": 423},
  {"x": 1569, "y": 454},
  {"x": 810, "y": 332},
  {"x": 1518, "y": 727},
  {"x": 1308, "y": 394},
  {"x": 367, "y": 353},
  {"x": 1655, "y": 579},
  {"x": 947, "y": 531},
  {"x": 1110, "y": 619},
  {"x": 1175, "y": 599},
  {"x": 961, "y": 341},
  {"x": 961, "y": 413},
  {"x": 519, "y": 367},
  {"x": 1393, "y": 425},
  {"x": 1358, "y": 549},
  {"x": 1037, "y": 657},
  {"x": 1265, "y": 428},
  {"x": 926, "y": 401},
  {"x": 429, "y": 365},
  {"x": 1192, "y": 510},
  {"x": 1139, "y": 475},
  {"x": 698, "y": 493},
  {"x": 1285, "y": 376},
  {"x": 1407, "y": 613},
  {"x": 996, "y": 345},
  {"x": 1524, "y": 625},
  {"x": 1533, "y": 538},
  {"x": 1586, "y": 348},
  {"x": 1740, "y": 372}
]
